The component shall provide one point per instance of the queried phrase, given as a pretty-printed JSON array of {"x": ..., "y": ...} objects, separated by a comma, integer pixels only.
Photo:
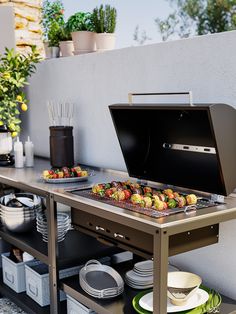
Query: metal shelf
[{"x": 30, "y": 242}]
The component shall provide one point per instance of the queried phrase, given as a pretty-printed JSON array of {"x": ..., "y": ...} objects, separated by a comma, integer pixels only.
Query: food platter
[{"x": 66, "y": 180}]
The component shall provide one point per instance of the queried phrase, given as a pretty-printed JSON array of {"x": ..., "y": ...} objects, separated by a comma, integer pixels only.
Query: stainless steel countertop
[{"x": 31, "y": 178}]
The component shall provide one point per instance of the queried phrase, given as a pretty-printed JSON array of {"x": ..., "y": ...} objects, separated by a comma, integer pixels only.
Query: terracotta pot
[
  {"x": 66, "y": 48},
  {"x": 84, "y": 40},
  {"x": 105, "y": 41}
]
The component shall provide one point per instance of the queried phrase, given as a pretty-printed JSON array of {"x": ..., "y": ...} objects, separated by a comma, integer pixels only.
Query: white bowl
[{"x": 181, "y": 286}]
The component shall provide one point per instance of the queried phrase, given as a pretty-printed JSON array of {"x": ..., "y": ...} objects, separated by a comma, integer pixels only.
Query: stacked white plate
[
  {"x": 141, "y": 276},
  {"x": 100, "y": 281},
  {"x": 63, "y": 225}
]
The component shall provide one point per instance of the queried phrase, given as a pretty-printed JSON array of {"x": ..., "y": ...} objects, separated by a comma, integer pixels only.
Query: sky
[{"x": 130, "y": 13}]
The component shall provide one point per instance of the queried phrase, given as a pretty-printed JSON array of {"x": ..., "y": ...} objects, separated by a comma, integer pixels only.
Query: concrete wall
[
  {"x": 206, "y": 65},
  {"x": 7, "y": 35}
]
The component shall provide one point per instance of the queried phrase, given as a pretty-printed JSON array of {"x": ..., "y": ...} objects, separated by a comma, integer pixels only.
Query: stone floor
[{"x": 8, "y": 307}]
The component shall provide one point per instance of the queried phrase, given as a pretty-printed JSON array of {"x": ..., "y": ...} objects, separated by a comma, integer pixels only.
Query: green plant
[
  {"x": 80, "y": 21},
  {"x": 198, "y": 17},
  {"x": 15, "y": 68},
  {"x": 64, "y": 34},
  {"x": 104, "y": 19},
  {"x": 54, "y": 34},
  {"x": 52, "y": 12}
]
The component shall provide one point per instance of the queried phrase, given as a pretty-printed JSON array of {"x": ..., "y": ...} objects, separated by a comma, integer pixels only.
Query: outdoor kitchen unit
[{"x": 190, "y": 148}]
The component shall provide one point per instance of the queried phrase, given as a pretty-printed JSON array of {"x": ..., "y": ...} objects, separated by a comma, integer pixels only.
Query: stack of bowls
[
  {"x": 63, "y": 225},
  {"x": 18, "y": 211}
]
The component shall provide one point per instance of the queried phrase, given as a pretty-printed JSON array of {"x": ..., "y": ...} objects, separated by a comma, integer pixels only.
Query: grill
[{"x": 185, "y": 146}]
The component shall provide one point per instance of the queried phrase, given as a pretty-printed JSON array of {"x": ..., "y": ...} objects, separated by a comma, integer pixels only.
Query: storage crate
[
  {"x": 37, "y": 282},
  {"x": 14, "y": 273},
  {"x": 75, "y": 307}
]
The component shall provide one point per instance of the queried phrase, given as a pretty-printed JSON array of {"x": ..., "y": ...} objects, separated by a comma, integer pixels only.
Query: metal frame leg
[
  {"x": 160, "y": 264},
  {"x": 53, "y": 256}
]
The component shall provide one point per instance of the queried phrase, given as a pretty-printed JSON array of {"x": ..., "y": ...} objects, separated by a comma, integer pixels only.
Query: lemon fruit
[{"x": 24, "y": 107}]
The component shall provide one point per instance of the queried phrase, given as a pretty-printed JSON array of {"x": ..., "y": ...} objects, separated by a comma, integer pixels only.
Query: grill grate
[{"x": 202, "y": 203}]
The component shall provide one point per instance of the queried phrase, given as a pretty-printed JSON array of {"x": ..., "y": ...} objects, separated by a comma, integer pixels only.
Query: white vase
[
  {"x": 66, "y": 48},
  {"x": 5, "y": 143},
  {"x": 83, "y": 41},
  {"x": 105, "y": 41}
]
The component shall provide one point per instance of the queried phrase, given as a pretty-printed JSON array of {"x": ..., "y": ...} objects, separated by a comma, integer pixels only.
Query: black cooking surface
[{"x": 202, "y": 203}]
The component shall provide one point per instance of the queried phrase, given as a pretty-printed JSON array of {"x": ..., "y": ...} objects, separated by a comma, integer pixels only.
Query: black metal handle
[{"x": 130, "y": 95}]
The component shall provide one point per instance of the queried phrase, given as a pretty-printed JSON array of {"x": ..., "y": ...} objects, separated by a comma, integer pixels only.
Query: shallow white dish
[
  {"x": 200, "y": 297},
  {"x": 144, "y": 266},
  {"x": 66, "y": 180}
]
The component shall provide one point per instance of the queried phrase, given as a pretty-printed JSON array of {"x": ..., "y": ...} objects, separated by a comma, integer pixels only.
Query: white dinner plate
[{"x": 199, "y": 298}]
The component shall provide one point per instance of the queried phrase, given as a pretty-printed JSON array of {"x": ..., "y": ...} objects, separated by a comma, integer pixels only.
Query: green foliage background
[{"x": 198, "y": 17}]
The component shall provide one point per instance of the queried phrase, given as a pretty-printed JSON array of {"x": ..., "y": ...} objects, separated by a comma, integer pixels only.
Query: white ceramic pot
[
  {"x": 55, "y": 52},
  {"x": 66, "y": 48},
  {"x": 5, "y": 143},
  {"x": 105, "y": 41},
  {"x": 84, "y": 40},
  {"x": 47, "y": 50}
]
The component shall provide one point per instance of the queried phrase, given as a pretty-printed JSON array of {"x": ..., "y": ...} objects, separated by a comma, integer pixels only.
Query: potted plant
[
  {"x": 104, "y": 23},
  {"x": 65, "y": 43},
  {"x": 81, "y": 28},
  {"x": 15, "y": 68},
  {"x": 54, "y": 39},
  {"x": 52, "y": 11}
]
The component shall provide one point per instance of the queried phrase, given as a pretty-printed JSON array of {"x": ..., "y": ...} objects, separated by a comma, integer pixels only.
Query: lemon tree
[{"x": 15, "y": 68}]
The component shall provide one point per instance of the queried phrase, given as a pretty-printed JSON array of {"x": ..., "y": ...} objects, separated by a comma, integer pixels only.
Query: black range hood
[{"x": 187, "y": 146}]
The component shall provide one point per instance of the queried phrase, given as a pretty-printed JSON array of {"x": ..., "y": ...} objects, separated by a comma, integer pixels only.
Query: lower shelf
[
  {"x": 24, "y": 302},
  {"x": 123, "y": 303}
]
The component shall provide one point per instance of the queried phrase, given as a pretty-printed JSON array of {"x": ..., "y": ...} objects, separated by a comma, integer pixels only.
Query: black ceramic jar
[{"x": 61, "y": 146}]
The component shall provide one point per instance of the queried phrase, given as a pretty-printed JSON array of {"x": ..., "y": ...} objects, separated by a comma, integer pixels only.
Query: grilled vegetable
[
  {"x": 119, "y": 195},
  {"x": 167, "y": 191},
  {"x": 147, "y": 201},
  {"x": 97, "y": 188},
  {"x": 159, "y": 205},
  {"x": 127, "y": 194},
  {"x": 172, "y": 203},
  {"x": 136, "y": 198},
  {"x": 147, "y": 189},
  {"x": 109, "y": 192},
  {"x": 191, "y": 199},
  {"x": 181, "y": 201},
  {"x": 162, "y": 197}
]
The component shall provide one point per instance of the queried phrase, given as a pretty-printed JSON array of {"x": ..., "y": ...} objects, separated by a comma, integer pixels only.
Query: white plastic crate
[
  {"x": 14, "y": 273},
  {"x": 75, "y": 307},
  {"x": 37, "y": 282}
]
